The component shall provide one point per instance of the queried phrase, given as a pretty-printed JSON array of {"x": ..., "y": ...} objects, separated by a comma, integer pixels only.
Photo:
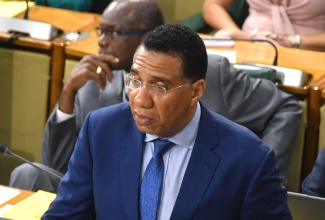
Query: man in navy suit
[
  {"x": 215, "y": 169},
  {"x": 254, "y": 103}
]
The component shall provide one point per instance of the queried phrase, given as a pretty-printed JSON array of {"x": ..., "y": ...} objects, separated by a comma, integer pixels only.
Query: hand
[
  {"x": 233, "y": 34},
  {"x": 86, "y": 70},
  {"x": 280, "y": 39}
]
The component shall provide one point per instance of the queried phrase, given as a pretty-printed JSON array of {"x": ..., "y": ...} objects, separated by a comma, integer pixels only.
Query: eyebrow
[
  {"x": 132, "y": 70},
  {"x": 108, "y": 24},
  {"x": 156, "y": 78},
  {"x": 164, "y": 80}
]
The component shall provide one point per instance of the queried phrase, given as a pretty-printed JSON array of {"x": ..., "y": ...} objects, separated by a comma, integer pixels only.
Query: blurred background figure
[
  {"x": 314, "y": 184},
  {"x": 95, "y": 6},
  {"x": 289, "y": 23}
]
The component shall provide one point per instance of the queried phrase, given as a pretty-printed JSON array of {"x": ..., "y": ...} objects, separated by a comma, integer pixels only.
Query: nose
[
  {"x": 143, "y": 99},
  {"x": 103, "y": 41}
]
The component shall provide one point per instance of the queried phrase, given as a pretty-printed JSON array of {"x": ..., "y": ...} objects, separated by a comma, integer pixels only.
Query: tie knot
[{"x": 161, "y": 146}]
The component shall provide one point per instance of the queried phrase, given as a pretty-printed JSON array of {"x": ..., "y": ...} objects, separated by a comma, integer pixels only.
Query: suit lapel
[
  {"x": 131, "y": 157},
  {"x": 200, "y": 170}
]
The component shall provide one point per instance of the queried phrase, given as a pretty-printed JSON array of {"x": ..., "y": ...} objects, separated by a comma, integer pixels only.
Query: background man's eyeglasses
[
  {"x": 152, "y": 89},
  {"x": 111, "y": 32}
]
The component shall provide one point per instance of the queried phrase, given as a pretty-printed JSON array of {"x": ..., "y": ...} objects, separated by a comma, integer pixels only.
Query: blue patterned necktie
[{"x": 151, "y": 181}]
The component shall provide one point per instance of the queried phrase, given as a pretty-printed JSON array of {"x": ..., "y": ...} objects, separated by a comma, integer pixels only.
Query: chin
[{"x": 147, "y": 130}]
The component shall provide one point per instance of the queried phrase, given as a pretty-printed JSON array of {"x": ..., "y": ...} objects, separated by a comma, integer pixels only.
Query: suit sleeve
[
  {"x": 265, "y": 197},
  {"x": 75, "y": 198},
  {"x": 58, "y": 141},
  {"x": 256, "y": 104},
  {"x": 60, "y": 138}
]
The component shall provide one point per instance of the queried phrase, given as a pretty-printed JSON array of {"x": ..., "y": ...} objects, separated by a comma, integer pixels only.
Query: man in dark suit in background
[
  {"x": 211, "y": 168},
  {"x": 254, "y": 103},
  {"x": 314, "y": 183}
]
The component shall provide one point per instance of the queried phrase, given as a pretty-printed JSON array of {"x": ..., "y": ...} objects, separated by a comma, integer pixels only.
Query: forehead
[
  {"x": 118, "y": 14},
  {"x": 156, "y": 64}
]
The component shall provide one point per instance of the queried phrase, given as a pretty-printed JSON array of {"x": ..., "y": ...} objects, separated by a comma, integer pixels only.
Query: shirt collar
[{"x": 186, "y": 137}]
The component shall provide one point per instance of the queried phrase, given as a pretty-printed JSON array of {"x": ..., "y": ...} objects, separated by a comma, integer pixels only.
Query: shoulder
[
  {"x": 216, "y": 60},
  {"x": 113, "y": 115},
  {"x": 109, "y": 120},
  {"x": 220, "y": 71},
  {"x": 237, "y": 147},
  {"x": 112, "y": 112},
  {"x": 234, "y": 137}
]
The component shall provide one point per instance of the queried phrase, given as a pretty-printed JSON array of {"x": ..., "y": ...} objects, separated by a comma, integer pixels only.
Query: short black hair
[{"x": 181, "y": 41}]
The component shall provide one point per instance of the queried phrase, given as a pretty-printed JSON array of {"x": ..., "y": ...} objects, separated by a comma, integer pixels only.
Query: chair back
[{"x": 239, "y": 11}]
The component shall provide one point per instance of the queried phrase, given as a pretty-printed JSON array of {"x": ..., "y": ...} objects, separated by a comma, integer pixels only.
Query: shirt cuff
[{"x": 61, "y": 116}]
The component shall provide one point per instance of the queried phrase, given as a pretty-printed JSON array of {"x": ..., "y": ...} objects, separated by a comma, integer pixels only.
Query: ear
[{"x": 198, "y": 89}]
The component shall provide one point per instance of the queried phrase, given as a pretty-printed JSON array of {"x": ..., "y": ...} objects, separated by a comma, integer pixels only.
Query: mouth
[
  {"x": 142, "y": 120},
  {"x": 104, "y": 52}
]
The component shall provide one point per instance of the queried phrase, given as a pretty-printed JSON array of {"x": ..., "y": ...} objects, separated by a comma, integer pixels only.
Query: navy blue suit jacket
[{"x": 231, "y": 173}]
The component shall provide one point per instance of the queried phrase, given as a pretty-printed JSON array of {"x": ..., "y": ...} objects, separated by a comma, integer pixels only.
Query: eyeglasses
[
  {"x": 111, "y": 33},
  {"x": 154, "y": 90}
]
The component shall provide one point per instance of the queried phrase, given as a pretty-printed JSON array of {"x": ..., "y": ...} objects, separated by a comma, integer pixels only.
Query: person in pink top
[{"x": 289, "y": 23}]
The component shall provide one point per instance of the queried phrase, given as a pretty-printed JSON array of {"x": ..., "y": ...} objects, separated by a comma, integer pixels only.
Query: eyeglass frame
[
  {"x": 112, "y": 32},
  {"x": 149, "y": 87}
]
